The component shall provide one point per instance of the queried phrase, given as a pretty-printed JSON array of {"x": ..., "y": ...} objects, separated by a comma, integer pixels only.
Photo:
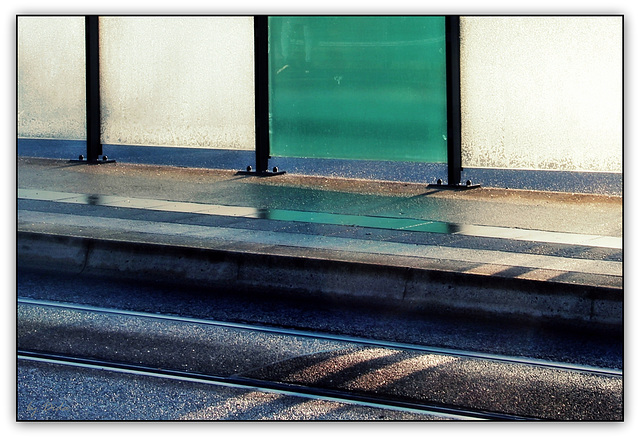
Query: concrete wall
[
  {"x": 51, "y": 77},
  {"x": 542, "y": 93},
  {"x": 178, "y": 81}
]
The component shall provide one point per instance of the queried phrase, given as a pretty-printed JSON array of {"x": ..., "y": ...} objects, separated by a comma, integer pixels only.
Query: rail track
[
  {"x": 334, "y": 337},
  {"x": 447, "y": 411},
  {"x": 368, "y": 399}
]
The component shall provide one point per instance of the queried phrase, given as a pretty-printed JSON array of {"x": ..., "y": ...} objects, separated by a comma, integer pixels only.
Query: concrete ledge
[{"x": 420, "y": 289}]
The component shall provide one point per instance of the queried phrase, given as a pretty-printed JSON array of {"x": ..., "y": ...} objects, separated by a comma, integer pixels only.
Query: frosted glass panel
[
  {"x": 358, "y": 88},
  {"x": 51, "y": 78},
  {"x": 177, "y": 81},
  {"x": 542, "y": 92}
]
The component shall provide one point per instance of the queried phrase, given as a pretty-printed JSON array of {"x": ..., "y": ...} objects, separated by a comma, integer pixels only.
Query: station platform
[{"x": 531, "y": 255}]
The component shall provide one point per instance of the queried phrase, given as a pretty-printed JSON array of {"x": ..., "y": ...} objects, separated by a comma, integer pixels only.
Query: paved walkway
[{"x": 403, "y": 238}]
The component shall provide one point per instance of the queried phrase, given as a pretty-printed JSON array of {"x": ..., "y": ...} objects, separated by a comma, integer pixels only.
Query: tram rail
[
  {"x": 334, "y": 337},
  {"x": 288, "y": 389},
  {"x": 304, "y": 363}
]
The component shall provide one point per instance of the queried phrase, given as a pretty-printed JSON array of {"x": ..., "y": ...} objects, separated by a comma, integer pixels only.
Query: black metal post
[
  {"x": 261, "y": 66},
  {"x": 92, "y": 60},
  {"x": 94, "y": 147},
  {"x": 454, "y": 124},
  {"x": 261, "y": 84},
  {"x": 454, "y": 151}
]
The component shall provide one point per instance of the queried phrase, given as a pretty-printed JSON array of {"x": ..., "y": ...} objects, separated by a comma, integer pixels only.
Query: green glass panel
[{"x": 358, "y": 88}]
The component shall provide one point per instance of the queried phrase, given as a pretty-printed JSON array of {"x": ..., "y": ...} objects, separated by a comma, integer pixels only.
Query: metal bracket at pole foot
[
  {"x": 457, "y": 187},
  {"x": 265, "y": 173},
  {"x": 82, "y": 159}
]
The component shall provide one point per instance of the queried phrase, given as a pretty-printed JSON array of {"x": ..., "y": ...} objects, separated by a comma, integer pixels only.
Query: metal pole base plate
[
  {"x": 92, "y": 162},
  {"x": 82, "y": 160},
  {"x": 266, "y": 173},
  {"x": 455, "y": 187}
]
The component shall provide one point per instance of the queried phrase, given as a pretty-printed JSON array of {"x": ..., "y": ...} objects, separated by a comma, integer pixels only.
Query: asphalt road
[
  {"x": 335, "y": 317},
  {"x": 49, "y": 391},
  {"x": 58, "y": 392}
]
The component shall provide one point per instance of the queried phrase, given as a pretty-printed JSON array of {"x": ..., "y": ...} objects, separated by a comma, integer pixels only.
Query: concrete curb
[{"x": 419, "y": 289}]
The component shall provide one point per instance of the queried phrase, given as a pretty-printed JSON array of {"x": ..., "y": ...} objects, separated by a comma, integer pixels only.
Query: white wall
[
  {"x": 177, "y": 81},
  {"x": 542, "y": 92},
  {"x": 51, "y": 78}
]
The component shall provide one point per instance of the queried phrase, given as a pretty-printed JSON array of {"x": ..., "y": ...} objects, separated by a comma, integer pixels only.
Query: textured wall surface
[
  {"x": 51, "y": 77},
  {"x": 542, "y": 92},
  {"x": 177, "y": 81}
]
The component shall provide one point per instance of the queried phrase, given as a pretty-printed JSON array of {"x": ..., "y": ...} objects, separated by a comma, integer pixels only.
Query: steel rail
[
  {"x": 287, "y": 389},
  {"x": 581, "y": 368}
]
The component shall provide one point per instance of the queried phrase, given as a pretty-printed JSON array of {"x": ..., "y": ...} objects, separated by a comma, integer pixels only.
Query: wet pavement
[{"x": 560, "y": 212}]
